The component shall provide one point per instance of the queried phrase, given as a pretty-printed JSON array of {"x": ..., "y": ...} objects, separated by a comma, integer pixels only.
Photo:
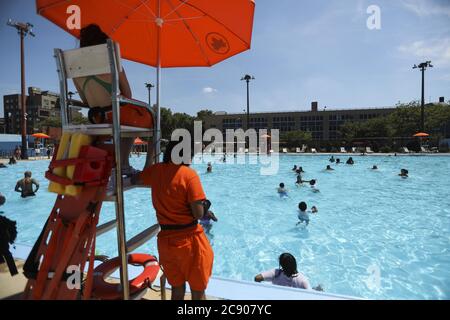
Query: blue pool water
[{"x": 370, "y": 223}]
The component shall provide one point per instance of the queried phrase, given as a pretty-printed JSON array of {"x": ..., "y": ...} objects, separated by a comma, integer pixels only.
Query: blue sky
[{"x": 302, "y": 51}]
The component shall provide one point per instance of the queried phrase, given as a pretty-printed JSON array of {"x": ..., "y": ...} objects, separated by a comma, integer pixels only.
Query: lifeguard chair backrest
[{"x": 89, "y": 61}]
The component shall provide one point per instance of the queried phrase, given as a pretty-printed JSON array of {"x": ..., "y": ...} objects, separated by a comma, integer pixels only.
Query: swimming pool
[{"x": 376, "y": 235}]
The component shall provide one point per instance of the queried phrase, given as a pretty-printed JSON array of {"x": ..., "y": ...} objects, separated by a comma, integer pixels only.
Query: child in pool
[
  {"x": 205, "y": 221},
  {"x": 282, "y": 191},
  {"x": 303, "y": 214},
  {"x": 312, "y": 183}
]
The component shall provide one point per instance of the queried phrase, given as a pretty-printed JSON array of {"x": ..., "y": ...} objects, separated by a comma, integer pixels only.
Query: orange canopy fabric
[
  {"x": 40, "y": 135},
  {"x": 138, "y": 141},
  {"x": 421, "y": 134},
  {"x": 193, "y": 32}
]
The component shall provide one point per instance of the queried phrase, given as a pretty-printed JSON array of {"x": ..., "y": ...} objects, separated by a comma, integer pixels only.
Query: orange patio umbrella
[
  {"x": 139, "y": 142},
  {"x": 164, "y": 33},
  {"x": 40, "y": 135},
  {"x": 421, "y": 135}
]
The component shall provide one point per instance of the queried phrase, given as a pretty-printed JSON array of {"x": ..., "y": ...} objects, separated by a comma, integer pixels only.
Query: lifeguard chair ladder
[{"x": 91, "y": 61}]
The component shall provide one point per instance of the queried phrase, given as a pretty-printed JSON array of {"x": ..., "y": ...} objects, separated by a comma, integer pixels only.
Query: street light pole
[
  {"x": 23, "y": 30},
  {"x": 247, "y": 79},
  {"x": 423, "y": 66}
]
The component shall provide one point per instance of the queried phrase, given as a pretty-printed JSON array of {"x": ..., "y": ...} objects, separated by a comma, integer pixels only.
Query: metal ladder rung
[
  {"x": 111, "y": 195},
  {"x": 107, "y": 129},
  {"x": 142, "y": 238},
  {"x": 106, "y": 227}
]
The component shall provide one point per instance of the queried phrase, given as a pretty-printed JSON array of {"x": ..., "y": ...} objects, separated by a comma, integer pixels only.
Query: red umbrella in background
[{"x": 164, "y": 33}]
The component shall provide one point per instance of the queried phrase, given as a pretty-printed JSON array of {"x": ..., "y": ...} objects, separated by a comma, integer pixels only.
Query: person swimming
[
  {"x": 301, "y": 170},
  {"x": 374, "y": 167},
  {"x": 329, "y": 168},
  {"x": 282, "y": 191},
  {"x": 209, "y": 168},
  {"x": 286, "y": 275},
  {"x": 350, "y": 161},
  {"x": 332, "y": 159},
  {"x": 338, "y": 161},
  {"x": 403, "y": 173},
  {"x": 2, "y": 201},
  {"x": 312, "y": 183},
  {"x": 25, "y": 185},
  {"x": 294, "y": 168},
  {"x": 299, "y": 181},
  {"x": 205, "y": 221},
  {"x": 303, "y": 214}
]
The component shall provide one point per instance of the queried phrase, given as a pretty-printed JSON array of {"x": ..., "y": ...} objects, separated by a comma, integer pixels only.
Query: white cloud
[
  {"x": 427, "y": 7},
  {"x": 436, "y": 50},
  {"x": 209, "y": 90}
]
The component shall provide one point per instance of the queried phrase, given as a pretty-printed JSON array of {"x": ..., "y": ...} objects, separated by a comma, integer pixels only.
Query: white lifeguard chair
[{"x": 97, "y": 60}]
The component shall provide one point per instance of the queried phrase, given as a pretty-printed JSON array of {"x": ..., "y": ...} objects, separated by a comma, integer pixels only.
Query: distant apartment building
[
  {"x": 40, "y": 105},
  {"x": 323, "y": 124}
]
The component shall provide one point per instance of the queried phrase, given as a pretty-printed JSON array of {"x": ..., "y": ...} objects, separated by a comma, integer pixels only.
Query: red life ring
[{"x": 112, "y": 291}]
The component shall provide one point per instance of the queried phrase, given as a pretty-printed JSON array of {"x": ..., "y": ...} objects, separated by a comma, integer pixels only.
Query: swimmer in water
[
  {"x": 301, "y": 170},
  {"x": 332, "y": 160},
  {"x": 209, "y": 168},
  {"x": 312, "y": 183},
  {"x": 282, "y": 191},
  {"x": 374, "y": 167},
  {"x": 299, "y": 181},
  {"x": 403, "y": 173},
  {"x": 294, "y": 168},
  {"x": 350, "y": 161},
  {"x": 205, "y": 221},
  {"x": 303, "y": 214},
  {"x": 25, "y": 185},
  {"x": 2, "y": 201},
  {"x": 338, "y": 161},
  {"x": 329, "y": 168}
]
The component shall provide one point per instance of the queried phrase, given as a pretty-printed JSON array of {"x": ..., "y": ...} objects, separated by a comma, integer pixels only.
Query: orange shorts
[{"x": 186, "y": 256}]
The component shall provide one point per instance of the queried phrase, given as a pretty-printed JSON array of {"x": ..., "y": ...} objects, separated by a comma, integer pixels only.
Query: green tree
[
  {"x": 79, "y": 119},
  {"x": 50, "y": 122},
  {"x": 296, "y": 138}
]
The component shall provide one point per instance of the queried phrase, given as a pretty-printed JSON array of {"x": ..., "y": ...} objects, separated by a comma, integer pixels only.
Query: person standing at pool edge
[
  {"x": 25, "y": 185},
  {"x": 184, "y": 250}
]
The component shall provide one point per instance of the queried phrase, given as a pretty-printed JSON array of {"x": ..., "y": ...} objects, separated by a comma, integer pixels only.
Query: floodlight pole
[
  {"x": 149, "y": 86},
  {"x": 423, "y": 66},
  {"x": 247, "y": 79},
  {"x": 23, "y": 30}
]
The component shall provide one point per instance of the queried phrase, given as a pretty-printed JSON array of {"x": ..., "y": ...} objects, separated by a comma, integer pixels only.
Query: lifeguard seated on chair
[{"x": 95, "y": 91}]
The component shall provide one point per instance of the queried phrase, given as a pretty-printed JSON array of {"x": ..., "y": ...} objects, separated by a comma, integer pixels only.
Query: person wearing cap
[{"x": 179, "y": 201}]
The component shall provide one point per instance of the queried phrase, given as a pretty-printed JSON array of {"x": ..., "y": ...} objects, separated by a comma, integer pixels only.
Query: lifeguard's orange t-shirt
[{"x": 174, "y": 187}]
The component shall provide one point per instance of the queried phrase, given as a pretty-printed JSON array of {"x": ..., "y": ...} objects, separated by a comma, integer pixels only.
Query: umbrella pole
[{"x": 158, "y": 85}]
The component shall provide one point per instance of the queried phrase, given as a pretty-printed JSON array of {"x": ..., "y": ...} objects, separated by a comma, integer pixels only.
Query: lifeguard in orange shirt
[{"x": 184, "y": 250}]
